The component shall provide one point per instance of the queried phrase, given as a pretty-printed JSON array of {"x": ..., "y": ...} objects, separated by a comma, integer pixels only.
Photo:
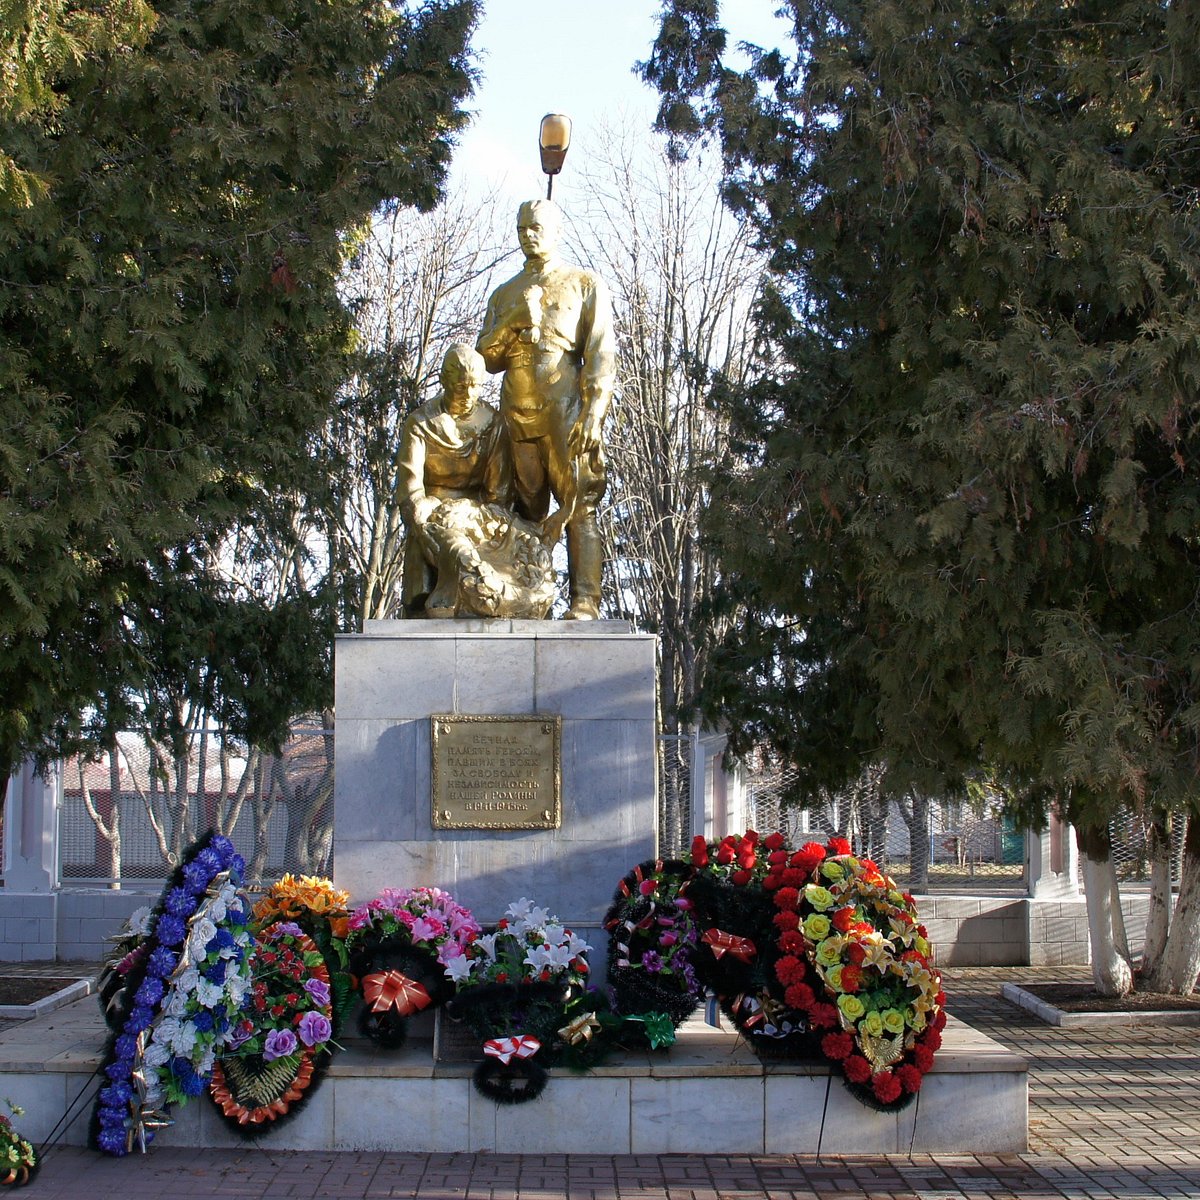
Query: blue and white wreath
[{"x": 183, "y": 1003}]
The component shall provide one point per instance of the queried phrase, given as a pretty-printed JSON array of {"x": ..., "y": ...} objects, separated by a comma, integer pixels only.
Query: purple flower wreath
[{"x": 180, "y": 1012}]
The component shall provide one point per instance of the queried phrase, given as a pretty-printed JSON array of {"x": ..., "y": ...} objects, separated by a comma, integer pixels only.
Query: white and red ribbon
[{"x": 508, "y": 1048}]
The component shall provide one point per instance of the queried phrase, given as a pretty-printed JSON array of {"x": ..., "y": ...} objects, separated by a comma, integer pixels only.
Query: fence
[
  {"x": 127, "y": 815},
  {"x": 925, "y": 844}
]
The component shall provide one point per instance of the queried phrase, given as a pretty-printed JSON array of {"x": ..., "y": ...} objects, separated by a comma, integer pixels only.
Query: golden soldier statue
[{"x": 549, "y": 329}]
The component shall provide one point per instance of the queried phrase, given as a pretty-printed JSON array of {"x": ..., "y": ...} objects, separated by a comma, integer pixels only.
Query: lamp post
[{"x": 554, "y": 137}]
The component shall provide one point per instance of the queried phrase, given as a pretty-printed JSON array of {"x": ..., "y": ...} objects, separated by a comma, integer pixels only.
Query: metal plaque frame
[{"x": 541, "y": 732}]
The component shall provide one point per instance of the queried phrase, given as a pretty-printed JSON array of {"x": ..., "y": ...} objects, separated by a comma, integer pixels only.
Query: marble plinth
[
  {"x": 707, "y": 1094},
  {"x": 598, "y": 677}
]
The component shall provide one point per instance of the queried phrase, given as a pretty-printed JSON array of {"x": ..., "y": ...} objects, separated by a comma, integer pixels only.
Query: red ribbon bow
[
  {"x": 728, "y": 943},
  {"x": 392, "y": 989},
  {"x": 508, "y": 1048}
]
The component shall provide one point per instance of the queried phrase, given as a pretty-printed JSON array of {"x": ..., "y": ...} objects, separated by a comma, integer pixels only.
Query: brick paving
[{"x": 1114, "y": 1115}]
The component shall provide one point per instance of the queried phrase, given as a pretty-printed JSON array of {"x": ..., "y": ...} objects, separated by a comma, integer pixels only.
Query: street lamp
[{"x": 554, "y": 138}]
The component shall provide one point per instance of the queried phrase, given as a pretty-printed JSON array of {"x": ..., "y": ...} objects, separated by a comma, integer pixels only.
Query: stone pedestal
[{"x": 598, "y": 677}]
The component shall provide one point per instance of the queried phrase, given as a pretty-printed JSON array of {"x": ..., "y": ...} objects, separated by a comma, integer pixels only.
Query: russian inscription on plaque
[{"x": 496, "y": 772}]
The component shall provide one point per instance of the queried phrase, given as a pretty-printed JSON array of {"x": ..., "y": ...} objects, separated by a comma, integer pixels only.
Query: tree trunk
[
  {"x": 1158, "y": 920},
  {"x": 1111, "y": 972},
  {"x": 1181, "y": 959}
]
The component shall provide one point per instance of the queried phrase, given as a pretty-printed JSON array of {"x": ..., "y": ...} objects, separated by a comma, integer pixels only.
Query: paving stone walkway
[{"x": 1114, "y": 1113}]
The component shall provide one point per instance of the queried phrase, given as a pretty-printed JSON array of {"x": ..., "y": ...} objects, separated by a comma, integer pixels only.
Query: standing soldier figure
[{"x": 549, "y": 329}]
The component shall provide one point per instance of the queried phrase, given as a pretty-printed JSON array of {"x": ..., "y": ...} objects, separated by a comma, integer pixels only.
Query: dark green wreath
[
  {"x": 632, "y": 926},
  {"x": 389, "y": 1029},
  {"x": 748, "y": 992}
]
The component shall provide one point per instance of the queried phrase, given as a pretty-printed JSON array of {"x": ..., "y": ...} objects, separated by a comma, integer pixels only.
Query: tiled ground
[{"x": 1113, "y": 1113}]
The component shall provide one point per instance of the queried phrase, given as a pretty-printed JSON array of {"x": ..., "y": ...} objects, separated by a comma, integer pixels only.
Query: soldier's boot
[{"x": 585, "y": 565}]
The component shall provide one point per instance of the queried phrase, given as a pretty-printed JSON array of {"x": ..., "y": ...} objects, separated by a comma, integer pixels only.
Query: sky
[{"x": 574, "y": 57}]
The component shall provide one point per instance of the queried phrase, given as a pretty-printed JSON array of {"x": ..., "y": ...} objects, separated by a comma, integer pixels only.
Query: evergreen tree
[
  {"x": 967, "y": 519},
  {"x": 176, "y": 188}
]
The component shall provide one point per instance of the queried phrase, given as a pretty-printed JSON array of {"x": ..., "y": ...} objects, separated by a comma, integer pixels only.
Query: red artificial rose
[
  {"x": 837, "y": 1046},
  {"x": 791, "y": 942},
  {"x": 857, "y": 1069},
  {"x": 799, "y": 995},
  {"x": 823, "y": 1016},
  {"x": 544, "y": 977},
  {"x": 842, "y": 919},
  {"x": 869, "y": 865},
  {"x": 260, "y": 1004},
  {"x": 787, "y": 920},
  {"x": 501, "y": 976},
  {"x": 787, "y": 898},
  {"x": 580, "y": 966},
  {"x": 839, "y": 845},
  {"x": 807, "y": 858},
  {"x": 851, "y": 978},
  {"x": 773, "y": 841},
  {"x": 751, "y": 837},
  {"x": 291, "y": 999},
  {"x": 909, "y": 1077},
  {"x": 922, "y": 1058},
  {"x": 747, "y": 859},
  {"x": 777, "y": 858},
  {"x": 647, "y": 887},
  {"x": 277, "y": 1010},
  {"x": 789, "y": 969},
  {"x": 886, "y": 1087},
  {"x": 740, "y": 878},
  {"x": 772, "y": 883},
  {"x": 724, "y": 854},
  {"x": 699, "y": 851},
  {"x": 502, "y": 923}
]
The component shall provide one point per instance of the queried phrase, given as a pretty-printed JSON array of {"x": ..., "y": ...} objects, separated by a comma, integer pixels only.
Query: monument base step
[{"x": 708, "y": 1094}]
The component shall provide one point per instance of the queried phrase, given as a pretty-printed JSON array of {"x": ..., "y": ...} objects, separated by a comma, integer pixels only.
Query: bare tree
[{"x": 684, "y": 276}]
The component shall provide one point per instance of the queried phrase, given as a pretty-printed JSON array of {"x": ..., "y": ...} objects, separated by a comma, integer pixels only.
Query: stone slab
[
  {"x": 597, "y": 676},
  {"x": 708, "y": 1094}
]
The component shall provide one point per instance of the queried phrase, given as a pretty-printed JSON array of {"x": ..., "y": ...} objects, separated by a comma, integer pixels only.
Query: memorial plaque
[{"x": 496, "y": 772}]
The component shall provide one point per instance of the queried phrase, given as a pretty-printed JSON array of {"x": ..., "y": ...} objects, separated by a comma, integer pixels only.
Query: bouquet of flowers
[
  {"x": 401, "y": 947},
  {"x": 513, "y": 988},
  {"x": 319, "y": 909},
  {"x": 181, "y": 998},
  {"x": 18, "y": 1159},
  {"x": 652, "y": 938},
  {"x": 274, "y": 1055}
]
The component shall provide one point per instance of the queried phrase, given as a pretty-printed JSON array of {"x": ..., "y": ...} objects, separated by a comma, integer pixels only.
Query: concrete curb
[
  {"x": 73, "y": 991},
  {"x": 1095, "y": 1020}
]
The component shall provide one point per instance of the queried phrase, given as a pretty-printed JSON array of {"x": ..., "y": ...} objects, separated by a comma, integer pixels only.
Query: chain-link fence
[
  {"x": 129, "y": 814},
  {"x": 925, "y": 844},
  {"x": 675, "y": 753}
]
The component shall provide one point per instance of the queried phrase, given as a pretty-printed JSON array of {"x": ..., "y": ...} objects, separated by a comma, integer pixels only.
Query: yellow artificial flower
[
  {"x": 829, "y": 952},
  {"x": 820, "y": 898},
  {"x": 816, "y": 926},
  {"x": 851, "y": 1007},
  {"x": 833, "y": 870},
  {"x": 872, "y": 1023},
  {"x": 833, "y": 977},
  {"x": 893, "y": 1020}
]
